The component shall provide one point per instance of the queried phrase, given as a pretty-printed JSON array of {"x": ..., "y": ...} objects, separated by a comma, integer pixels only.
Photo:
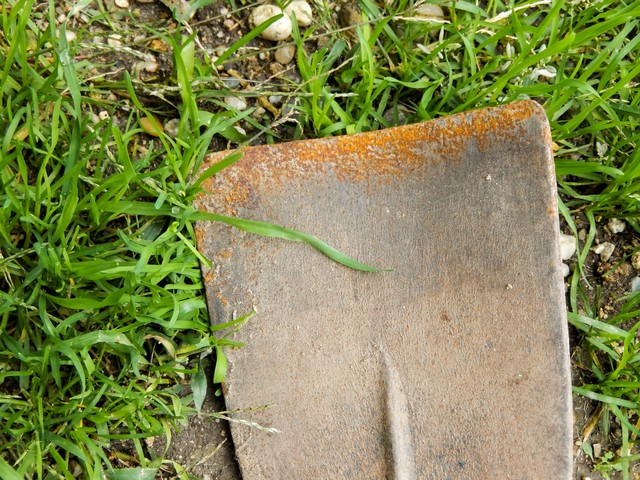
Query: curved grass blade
[{"x": 270, "y": 230}]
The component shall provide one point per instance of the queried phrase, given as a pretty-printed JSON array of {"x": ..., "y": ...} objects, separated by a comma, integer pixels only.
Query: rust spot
[
  {"x": 209, "y": 277},
  {"x": 225, "y": 254},
  {"x": 200, "y": 234},
  {"x": 222, "y": 298},
  {"x": 444, "y": 317}
]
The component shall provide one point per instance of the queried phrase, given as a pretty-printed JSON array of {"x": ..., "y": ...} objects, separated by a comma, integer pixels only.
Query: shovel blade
[{"x": 454, "y": 364}]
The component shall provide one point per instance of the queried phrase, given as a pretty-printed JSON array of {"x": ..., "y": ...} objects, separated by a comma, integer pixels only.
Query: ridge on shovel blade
[{"x": 453, "y": 365}]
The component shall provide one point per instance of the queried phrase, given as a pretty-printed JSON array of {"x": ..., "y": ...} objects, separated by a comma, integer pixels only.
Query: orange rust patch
[
  {"x": 200, "y": 234},
  {"x": 379, "y": 157},
  {"x": 225, "y": 254},
  {"x": 222, "y": 298},
  {"x": 209, "y": 277}
]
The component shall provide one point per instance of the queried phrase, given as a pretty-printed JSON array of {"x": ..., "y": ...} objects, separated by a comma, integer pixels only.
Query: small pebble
[
  {"x": 277, "y": 31},
  {"x": 276, "y": 68},
  {"x": 285, "y": 54},
  {"x": 172, "y": 126},
  {"x": 564, "y": 268},
  {"x": 103, "y": 115},
  {"x": 616, "y": 225},
  {"x": 605, "y": 250},
  {"x": 430, "y": 11},
  {"x": 275, "y": 100},
  {"x": 71, "y": 36},
  {"x": 224, "y": 11},
  {"x": 122, "y": 3},
  {"x": 151, "y": 66},
  {"x": 582, "y": 234},
  {"x": 236, "y": 102},
  {"x": 302, "y": 11},
  {"x": 635, "y": 260},
  {"x": 114, "y": 40},
  {"x": 228, "y": 24},
  {"x": 567, "y": 246},
  {"x": 597, "y": 449},
  {"x": 635, "y": 284}
]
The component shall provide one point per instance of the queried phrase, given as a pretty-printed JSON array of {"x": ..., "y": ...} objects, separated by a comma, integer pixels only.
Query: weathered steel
[{"x": 453, "y": 365}]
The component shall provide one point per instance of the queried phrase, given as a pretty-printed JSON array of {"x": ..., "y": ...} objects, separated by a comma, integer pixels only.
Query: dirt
[
  {"x": 125, "y": 42},
  {"x": 610, "y": 281},
  {"x": 204, "y": 447}
]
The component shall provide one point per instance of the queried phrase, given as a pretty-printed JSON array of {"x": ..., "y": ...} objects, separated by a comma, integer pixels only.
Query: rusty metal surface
[{"x": 453, "y": 365}]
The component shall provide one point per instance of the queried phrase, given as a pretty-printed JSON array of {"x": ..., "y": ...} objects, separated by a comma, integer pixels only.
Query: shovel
[{"x": 453, "y": 364}]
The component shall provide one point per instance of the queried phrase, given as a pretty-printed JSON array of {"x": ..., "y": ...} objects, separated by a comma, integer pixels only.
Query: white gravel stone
[
  {"x": 430, "y": 11},
  {"x": 597, "y": 450},
  {"x": 565, "y": 270},
  {"x": 122, "y": 3},
  {"x": 567, "y": 246},
  {"x": 280, "y": 30},
  {"x": 103, "y": 115},
  {"x": 616, "y": 225},
  {"x": 236, "y": 102},
  {"x": 635, "y": 284},
  {"x": 151, "y": 66},
  {"x": 605, "y": 250},
  {"x": 302, "y": 11},
  {"x": 171, "y": 127},
  {"x": 114, "y": 40},
  {"x": 275, "y": 100},
  {"x": 635, "y": 260}
]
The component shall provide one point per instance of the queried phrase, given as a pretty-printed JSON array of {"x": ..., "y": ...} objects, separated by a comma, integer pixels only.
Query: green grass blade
[{"x": 275, "y": 231}]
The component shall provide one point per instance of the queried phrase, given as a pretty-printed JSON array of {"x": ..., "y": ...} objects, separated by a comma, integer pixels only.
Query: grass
[{"x": 103, "y": 322}]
